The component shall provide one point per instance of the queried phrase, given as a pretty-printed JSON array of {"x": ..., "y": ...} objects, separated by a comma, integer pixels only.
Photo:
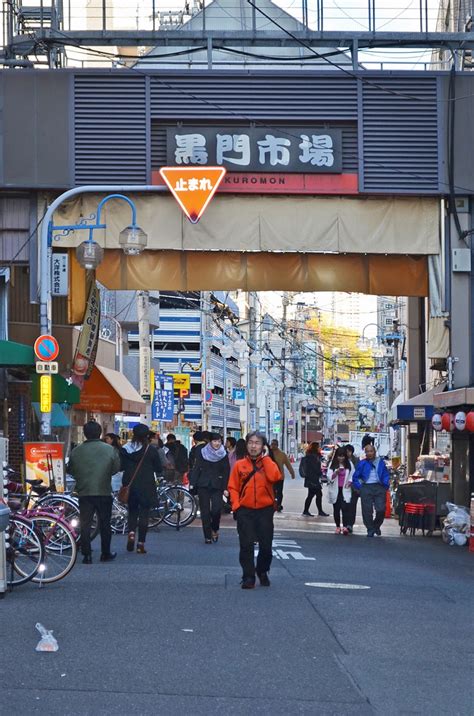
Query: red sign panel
[{"x": 270, "y": 183}]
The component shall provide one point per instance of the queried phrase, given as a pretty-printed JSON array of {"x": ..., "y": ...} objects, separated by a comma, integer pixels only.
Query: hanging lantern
[
  {"x": 460, "y": 420},
  {"x": 447, "y": 422},
  {"x": 436, "y": 422},
  {"x": 470, "y": 421}
]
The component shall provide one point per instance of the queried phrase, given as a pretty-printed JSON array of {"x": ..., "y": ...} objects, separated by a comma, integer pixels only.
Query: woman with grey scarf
[{"x": 209, "y": 478}]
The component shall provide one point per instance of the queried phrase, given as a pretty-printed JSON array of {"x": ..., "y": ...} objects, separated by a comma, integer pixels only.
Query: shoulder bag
[{"x": 124, "y": 492}]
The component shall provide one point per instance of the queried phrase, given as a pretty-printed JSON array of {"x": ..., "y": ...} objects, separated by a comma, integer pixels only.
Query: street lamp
[{"x": 130, "y": 240}]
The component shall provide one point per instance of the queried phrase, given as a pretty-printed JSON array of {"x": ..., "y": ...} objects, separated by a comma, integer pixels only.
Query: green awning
[
  {"x": 58, "y": 417},
  {"x": 15, "y": 354},
  {"x": 62, "y": 392}
]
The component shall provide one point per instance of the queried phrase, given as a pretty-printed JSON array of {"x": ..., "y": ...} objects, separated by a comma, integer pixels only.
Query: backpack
[{"x": 302, "y": 469}]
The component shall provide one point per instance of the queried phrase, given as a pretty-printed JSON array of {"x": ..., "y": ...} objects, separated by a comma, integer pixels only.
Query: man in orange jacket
[{"x": 253, "y": 503}]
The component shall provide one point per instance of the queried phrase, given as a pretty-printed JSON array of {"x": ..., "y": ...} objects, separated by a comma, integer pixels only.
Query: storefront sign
[
  {"x": 86, "y": 349},
  {"x": 60, "y": 274},
  {"x": 182, "y": 381},
  {"x": 162, "y": 404},
  {"x": 45, "y": 462},
  {"x": 419, "y": 413},
  {"x": 258, "y": 149},
  {"x": 280, "y": 183}
]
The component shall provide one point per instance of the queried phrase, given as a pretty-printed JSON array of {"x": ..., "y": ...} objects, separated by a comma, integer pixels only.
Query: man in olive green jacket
[{"x": 92, "y": 465}]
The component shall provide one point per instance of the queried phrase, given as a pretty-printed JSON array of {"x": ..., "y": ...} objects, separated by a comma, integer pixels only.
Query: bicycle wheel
[
  {"x": 68, "y": 509},
  {"x": 25, "y": 553},
  {"x": 60, "y": 547},
  {"x": 119, "y": 519},
  {"x": 180, "y": 506}
]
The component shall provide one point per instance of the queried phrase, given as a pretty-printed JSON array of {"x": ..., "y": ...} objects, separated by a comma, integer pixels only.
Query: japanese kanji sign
[
  {"x": 193, "y": 187},
  {"x": 162, "y": 404},
  {"x": 264, "y": 149}
]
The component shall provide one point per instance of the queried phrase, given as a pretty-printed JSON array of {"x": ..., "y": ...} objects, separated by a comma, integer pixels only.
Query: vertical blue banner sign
[{"x": 162, "y": 405}]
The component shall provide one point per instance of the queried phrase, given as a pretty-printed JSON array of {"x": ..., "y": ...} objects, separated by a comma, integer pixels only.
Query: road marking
[{"x": 335, "y": 585}]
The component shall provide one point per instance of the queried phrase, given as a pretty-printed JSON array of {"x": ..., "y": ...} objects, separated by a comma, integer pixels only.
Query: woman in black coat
[
  {"x": 141, "y": 459},
  {"x": 209, "y": 478},
  {"x": 310, "y": 469}
]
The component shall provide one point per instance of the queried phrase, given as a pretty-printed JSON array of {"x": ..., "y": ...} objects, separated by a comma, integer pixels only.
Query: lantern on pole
[
  {"x": 460, "y": 420},
  {"x": 436, "y": 422}
]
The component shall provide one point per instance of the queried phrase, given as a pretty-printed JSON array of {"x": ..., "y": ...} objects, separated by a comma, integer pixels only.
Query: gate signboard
[{"x": 304, "y": 149}]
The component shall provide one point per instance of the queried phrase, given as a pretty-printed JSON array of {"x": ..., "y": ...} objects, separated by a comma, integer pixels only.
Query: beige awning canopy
[{"x": 307, "y": 224}]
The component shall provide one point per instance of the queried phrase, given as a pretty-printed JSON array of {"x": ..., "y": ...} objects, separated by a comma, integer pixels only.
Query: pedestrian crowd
[{"x": 246, "y": 475}]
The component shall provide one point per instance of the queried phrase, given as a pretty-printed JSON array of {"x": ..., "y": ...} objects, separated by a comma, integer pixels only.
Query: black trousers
[
  {"x": 278, "y": 490},
  {"x": 103, "y": 506},
  {"x": 353, "y": 508},
  {"x": 138, "y": 513},
  {"x": 210, "y": 505},
  {"x": 341, "y": 506},
  {"x": 255, "y": 526},
  {"x": 373, "y": 496},
  {"x": 314, "y": 492}
]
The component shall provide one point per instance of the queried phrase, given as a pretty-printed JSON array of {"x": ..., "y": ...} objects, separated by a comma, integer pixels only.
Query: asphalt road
[{"x": 172, "y": 632}]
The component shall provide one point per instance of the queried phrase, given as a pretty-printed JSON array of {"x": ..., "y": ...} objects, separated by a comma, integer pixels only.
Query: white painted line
[{"x": 334, "y": 585}]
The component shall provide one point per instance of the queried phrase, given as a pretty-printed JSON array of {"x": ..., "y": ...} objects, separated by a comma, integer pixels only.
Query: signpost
[
  {"x": 193, "y": 187},
  {"x": 46, "y": 350}
]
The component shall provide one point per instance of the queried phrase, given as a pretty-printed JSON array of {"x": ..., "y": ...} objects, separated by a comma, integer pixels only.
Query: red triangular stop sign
[{"x": 193, "y": 187}]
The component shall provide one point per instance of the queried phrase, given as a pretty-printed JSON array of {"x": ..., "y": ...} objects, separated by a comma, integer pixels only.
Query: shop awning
[
  {"x": 420, "y": 407},
  {"x": 59, "y": 419},
  {"x": 15, "y": 354},
  {"x": 454, "y": 398},
  {"x": 108, "y": 391}
]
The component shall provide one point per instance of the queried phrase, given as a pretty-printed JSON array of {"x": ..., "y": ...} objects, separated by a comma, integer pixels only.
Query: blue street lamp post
[{"x": 132, "y": 239}]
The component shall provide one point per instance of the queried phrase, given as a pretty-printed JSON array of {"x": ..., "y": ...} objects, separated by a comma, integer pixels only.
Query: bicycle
[
  {"x": 58, "y": 539},
  {"x": 25, "y": 551},
  {"x": 176, "y": 506}
]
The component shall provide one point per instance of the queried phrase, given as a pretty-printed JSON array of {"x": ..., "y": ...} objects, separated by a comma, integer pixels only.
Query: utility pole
[
  {"x": 205, "y": 305},
  {"x": 252, "y": 368},
  {"x": 284, "y": 421},
  {"x": 143, "y": 315}
]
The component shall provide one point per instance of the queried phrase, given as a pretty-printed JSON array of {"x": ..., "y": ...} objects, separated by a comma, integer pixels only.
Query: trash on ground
[
  {"x": 456, "y": 526},
  {"x": 47, "y": 641}
]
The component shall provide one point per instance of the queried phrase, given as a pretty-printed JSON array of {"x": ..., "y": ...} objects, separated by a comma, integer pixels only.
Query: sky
[{"x": 341, "y": 15}]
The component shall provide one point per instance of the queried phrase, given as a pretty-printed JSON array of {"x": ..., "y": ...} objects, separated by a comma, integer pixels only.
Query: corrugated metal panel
[
  {"x": 158, "y": 145},
  {"x": 110, "y": 132},
  {"x": 14, "y": 228},
  {"x": 282, "y": 97},
  {"x": 400, "y": 136}
]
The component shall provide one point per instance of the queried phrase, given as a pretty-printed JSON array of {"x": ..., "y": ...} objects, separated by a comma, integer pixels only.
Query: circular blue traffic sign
[{"x": 46, "y": 348}]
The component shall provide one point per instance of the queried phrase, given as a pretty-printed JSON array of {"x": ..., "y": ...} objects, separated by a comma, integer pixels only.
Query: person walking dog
[
  {"x": 372, "y": 478},
  {"x": 251, "y": 486}
]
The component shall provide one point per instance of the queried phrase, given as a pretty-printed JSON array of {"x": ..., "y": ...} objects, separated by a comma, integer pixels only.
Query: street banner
[
  {"x": 162, "y": 404},
  {"x": 45, "y": 462},
  {"x": 86, "y": 349}
]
